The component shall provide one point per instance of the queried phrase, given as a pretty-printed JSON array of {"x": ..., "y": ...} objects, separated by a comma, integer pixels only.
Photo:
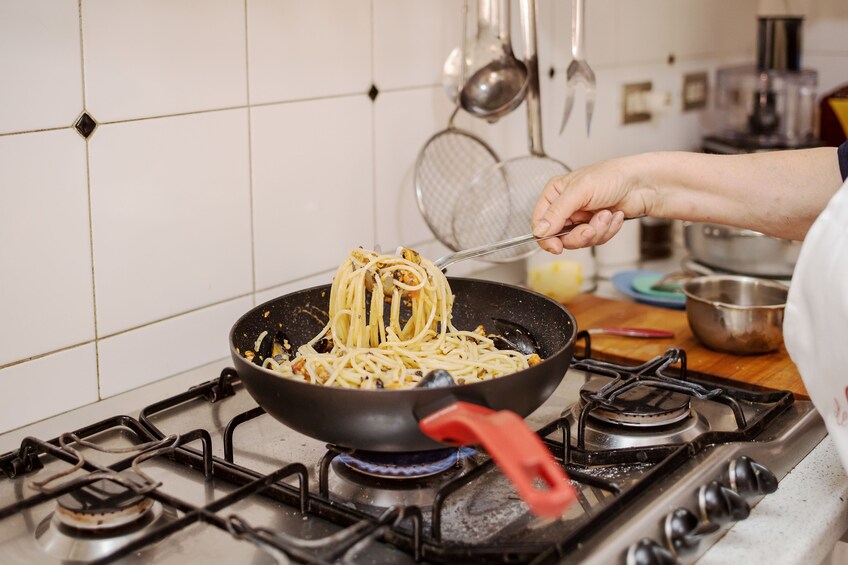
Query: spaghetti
[{"x": 361, "y": 347}]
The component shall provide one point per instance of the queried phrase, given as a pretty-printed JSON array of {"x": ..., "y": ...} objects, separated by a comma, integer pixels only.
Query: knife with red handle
[{"x": 633, "y": 332}]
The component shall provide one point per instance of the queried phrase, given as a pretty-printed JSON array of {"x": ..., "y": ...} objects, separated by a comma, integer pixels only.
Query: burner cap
[
  {"x": 410, "y": 465},
  {"x": 103, "y": 504},
  {"x": 641, "y": 406}
]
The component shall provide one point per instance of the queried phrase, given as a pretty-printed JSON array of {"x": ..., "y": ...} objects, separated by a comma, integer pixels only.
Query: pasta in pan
[{"x": 360, "y": 347}]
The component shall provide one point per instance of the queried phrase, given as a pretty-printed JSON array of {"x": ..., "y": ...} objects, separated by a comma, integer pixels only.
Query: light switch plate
[{"x": 695, "y": 91}]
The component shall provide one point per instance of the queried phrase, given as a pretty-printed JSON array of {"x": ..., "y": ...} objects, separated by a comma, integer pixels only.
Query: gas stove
[{"x": 664, "y": 461}]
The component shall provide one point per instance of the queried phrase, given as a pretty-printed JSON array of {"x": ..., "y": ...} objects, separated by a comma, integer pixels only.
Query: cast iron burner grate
[
  {"x": 640, "y": 407},
  {"x": 406, "y": 528}
]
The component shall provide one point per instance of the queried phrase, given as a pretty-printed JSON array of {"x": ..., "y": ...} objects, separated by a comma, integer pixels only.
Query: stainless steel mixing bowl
[{"x": 742, "y": 315}]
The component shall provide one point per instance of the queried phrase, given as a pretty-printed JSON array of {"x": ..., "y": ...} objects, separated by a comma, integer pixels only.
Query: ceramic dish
[{"x": 623, "y": 281}]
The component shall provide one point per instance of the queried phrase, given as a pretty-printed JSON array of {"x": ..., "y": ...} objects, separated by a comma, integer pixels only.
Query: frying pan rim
[{"x": 271, "y": 373}]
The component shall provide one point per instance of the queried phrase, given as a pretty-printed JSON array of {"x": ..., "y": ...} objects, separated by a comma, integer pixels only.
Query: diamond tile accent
[
  {"x": 373, "y": 92},
  {"x": 85, "y": 125}
]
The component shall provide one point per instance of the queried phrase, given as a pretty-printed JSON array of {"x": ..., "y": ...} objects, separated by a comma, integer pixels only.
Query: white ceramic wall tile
[
  {"x": 163, "y": 57},
  {"x": 289, "y": 58},
  {"x": 412, "y": 39},
  {"x": 45, "y": 250},
  {"x": 313, "y": 188},
  {"x": 735, "y": 32},
  {"x": 308, "y": 282},
  {"x": 599, "y": 33},
  {"x": 701, "y": 36},
  {"x": 644, "y": 31},
  {"x": 831, "y": 68},
  {"x": 147, "y": 354},
  {"x": 40, "y": 64},
  {"x": 404, "y": 122},
  {"x": 551, "y": 29},
  {"x": 69, "y": 379},
  {"x": 826, "y": 26},
  {"x": 170, "y": 203}
]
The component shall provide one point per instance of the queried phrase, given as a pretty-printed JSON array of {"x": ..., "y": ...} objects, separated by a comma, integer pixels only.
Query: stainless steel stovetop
[{"x": 642, "y": 500}]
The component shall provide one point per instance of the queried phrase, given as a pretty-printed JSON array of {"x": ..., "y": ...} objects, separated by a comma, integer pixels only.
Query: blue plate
[{"x": 623, "y": 281}]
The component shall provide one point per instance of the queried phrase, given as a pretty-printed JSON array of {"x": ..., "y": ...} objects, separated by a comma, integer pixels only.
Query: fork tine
[
  {"x": 569, "y": 104},
  {"x": 590, "y": 104}
]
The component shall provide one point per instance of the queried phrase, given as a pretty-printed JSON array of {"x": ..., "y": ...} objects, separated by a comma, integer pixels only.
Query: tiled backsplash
[{"x": 238, "y": 156}]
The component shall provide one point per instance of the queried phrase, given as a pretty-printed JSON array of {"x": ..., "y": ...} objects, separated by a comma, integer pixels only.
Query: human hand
[{"x": 599, "y": 196}]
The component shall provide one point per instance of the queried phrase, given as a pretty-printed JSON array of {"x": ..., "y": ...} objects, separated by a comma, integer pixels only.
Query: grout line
[
  {"x": 90, "y": 212},
  {"x": 177, "y": 315},
  {"x": 226, "y": 108},
  {"x": 174, "y": 115},
  {"x": 249, "y": 156},
  {"x": 138, "y": 327},
  {"x": 23, "y": 132},
  {"x": 293, "y": 281},
  {"x": 41, "y": 355},
  {"x": 82, "y": 56},
  {"x": 91, "y": 256},
  {"x": 373, "y": 108}
]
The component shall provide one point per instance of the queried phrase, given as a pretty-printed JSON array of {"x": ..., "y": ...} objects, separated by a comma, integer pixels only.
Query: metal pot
[
  {"x": 741, "y": 251},
  {"x": 742, "y": 315}
]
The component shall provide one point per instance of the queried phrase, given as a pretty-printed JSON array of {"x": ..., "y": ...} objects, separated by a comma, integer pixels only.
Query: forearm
[{"x": 779, "y": 193}]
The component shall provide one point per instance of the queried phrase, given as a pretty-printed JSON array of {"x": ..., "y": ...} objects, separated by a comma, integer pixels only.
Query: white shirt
[{"x": 815, "y": 326}]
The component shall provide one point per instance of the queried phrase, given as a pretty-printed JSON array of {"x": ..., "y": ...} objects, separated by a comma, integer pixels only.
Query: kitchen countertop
[{"x": 798, "y": 524}]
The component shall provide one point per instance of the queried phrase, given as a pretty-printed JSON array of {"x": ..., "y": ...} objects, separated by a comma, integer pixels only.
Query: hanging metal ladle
[{"x": 498, "y": 87}]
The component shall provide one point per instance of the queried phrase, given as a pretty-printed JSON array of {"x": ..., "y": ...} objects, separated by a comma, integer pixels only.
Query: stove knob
[
  {"x": 749, "y": 478},
  {"x": 684, "y": 531},
  {"x": 720, "y": 505},
  {"x": 649, "y": 552}
]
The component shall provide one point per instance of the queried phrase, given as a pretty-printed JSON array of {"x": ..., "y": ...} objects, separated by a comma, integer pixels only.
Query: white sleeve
[{"x": 815, "y": 326}]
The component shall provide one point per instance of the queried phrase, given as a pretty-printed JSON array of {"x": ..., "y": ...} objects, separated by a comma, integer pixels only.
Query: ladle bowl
[{"x": 496, "y": 89}]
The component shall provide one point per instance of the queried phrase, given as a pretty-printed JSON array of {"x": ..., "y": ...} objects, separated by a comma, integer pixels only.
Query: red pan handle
[{"x": 519, "y": 452}]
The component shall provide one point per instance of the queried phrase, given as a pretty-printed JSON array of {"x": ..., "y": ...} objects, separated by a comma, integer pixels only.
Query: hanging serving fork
[{"x": 579, "y": 70}]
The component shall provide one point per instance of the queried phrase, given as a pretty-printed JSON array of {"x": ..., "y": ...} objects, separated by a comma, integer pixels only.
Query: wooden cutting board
[{"x": 771, "y": 370}]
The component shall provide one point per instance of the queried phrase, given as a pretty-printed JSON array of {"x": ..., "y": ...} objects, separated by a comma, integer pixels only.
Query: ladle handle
[{"x": 534, "y": 108}]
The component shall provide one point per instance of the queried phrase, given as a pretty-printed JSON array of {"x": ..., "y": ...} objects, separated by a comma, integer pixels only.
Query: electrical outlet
[
  {"x": 695, "y": 91},
  {"x": 636, "y": 105}
]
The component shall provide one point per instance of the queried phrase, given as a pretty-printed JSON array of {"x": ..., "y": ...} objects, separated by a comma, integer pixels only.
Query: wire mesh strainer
[
  {"x": 445, "y": 168},
  {"x": 499, "y": 204}
]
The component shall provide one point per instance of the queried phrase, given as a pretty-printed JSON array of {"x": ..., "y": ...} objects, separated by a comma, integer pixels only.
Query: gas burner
[
  {"x": 643, "y": 416},
  {"x": 101, "y": 506},
  {"x": 413, "y": 465},
  {"x": 408, "y": 479},
  {"x": 643, "y": 406},
  {"x": 94, "y": 521}
]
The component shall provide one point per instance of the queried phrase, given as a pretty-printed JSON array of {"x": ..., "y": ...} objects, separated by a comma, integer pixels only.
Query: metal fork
[
  {"x": 579, "y": 70},
  {"x": 443, "y": 262}
]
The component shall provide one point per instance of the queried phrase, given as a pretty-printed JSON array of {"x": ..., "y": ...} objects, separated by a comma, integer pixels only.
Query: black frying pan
[{"x": 422, "y": 419}]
